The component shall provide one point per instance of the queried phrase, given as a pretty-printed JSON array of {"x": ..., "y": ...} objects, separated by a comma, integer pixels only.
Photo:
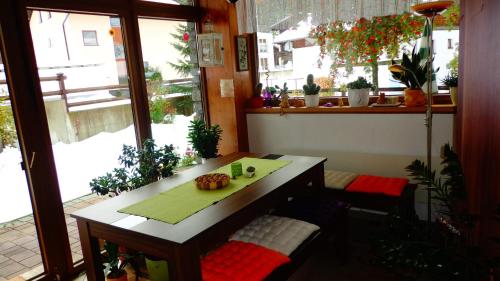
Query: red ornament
[{"x": 185, "y": 37}]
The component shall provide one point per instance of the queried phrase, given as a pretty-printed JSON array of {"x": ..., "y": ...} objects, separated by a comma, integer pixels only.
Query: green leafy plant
[
  {"x": 205, "y": 140},
  {"x": 311, "y": 88},
  {"x": 360, "y": 83},
  {"x": 438, "y": 251},
  {"x": 415, "y": 65},
  {"x": 140, "y": 167},
  {"x": 8, "y": 136},
  {"x": 115, "y": 262},
  {"x": 158, "y": 108},
  {"x": 451, "y": 79}
]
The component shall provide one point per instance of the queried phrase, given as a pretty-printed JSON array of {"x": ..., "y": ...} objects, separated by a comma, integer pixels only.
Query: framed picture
[
  {"x": 242, "y": 53},
  {"x": 210, "y": 50}
]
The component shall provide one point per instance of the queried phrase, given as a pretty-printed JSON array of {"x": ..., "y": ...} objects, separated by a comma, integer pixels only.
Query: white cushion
[
  {"x": 281, "y": 234},
  {"x": 338, "y": 179}
]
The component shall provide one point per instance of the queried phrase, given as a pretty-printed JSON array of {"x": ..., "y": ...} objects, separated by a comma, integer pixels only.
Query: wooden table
[{"x": 181, "y": 244}]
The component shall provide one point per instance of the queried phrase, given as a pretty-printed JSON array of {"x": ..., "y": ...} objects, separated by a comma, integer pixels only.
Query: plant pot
[
  {"x": 454, "y": 95},
  {"x": 414, "y": 97},
  {"x": 311, "y": 100},
  {"x": 157, "y": 269},
  {"x": 358, "y": 97},
  {"x": 122, "y": 277}
]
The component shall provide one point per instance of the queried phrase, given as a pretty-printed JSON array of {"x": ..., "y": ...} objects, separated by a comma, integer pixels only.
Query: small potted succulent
[
  {"x": 250, "y": 172},
  {"x": 358, "y": 92},
  {"x": 311, "y": 92},
  {"x": 451, "y": 80}
]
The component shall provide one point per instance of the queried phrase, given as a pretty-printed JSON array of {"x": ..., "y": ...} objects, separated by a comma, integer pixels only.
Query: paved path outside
[{"x": 19, "y": 250}]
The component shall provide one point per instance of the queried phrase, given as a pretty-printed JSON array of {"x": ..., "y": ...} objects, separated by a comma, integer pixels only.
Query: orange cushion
[
  {"x": 378, "y": 185},
  {"x": 241, "y": 261}
]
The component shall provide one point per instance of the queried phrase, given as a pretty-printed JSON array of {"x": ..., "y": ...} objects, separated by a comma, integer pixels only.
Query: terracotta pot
[
  {"x": 311, "y": 100},
  {"x": 454, "y": 95},
  {"x": 123, "y": 277},
  {"x": 414, "y": 97},
  {"x": 358, "y": 97}
]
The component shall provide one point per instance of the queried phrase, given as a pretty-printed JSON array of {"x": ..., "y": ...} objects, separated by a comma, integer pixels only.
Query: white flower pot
[
  {"x": 358, "y": 97},
  {"x": 311, "y": 100}
]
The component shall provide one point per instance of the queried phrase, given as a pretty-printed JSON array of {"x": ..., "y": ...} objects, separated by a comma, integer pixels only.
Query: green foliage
[
  {"x": 158, "y": 108},
  {"x": 184, "y": 105},
  {"x": 415, "y": 65},
  {"x": 115, "y": 267},
  {"x": 311, "y": 88},
  {"x": 449, "y": 189},
  {"x": 140, "y": 167},
  {"x": 187, "y": 161},
  {"x": 153, "y": 74},
  {"x": 360, "y": 83},
  {"x": 453, "y": 64},
  {"x": 8, "y": 136},
  {"x": 204, "y": 140},
  {"x": 451, "y": 79}
]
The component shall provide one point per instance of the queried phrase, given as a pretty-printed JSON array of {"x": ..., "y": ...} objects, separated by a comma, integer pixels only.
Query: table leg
[
  {"x": 91, "y": 253},
  {"x": 318, "y": 176},
  {"x": 186, "y": 265}
]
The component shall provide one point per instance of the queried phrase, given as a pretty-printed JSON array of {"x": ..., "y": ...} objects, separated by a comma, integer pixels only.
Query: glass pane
[
  {"x": 173, "y": 80},
  {"x": 19, "y": 248},
  {"x": 174, "y": 2},
  {"x": 293, "y": 33},
  {"x": 87, "y": 100}
]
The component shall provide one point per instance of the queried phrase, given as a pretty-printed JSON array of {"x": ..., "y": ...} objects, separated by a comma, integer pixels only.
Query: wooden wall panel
[
  {"x": 229, "y": 113},
  {"x": 479, "y": 110}
]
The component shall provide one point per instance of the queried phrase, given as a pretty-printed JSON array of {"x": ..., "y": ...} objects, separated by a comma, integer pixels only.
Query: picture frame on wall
[
  {"x": 210, "y": 50},
  {"x": 242, "y": 53}
]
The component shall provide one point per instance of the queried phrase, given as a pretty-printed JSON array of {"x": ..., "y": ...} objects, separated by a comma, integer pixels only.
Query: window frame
[{"x": 26, "y": 95}]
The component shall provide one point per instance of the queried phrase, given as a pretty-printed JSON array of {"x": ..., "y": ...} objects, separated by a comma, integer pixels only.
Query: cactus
[{"x": 311, "y": 88}]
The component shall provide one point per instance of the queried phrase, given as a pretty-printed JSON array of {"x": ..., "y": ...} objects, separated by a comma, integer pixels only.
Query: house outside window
[{"x": 89, "y": 38}]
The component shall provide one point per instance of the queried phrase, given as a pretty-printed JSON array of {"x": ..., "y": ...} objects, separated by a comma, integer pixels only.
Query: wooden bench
[{"x": 374, "y": 199}]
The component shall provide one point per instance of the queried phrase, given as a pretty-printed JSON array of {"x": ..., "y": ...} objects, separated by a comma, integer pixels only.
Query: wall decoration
[
  {"x": 242, "y": 53},
  {"x": 210, "y": 50}
]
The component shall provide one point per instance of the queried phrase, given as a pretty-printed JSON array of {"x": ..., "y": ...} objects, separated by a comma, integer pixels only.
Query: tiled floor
[{"x": 19, "y": 250}]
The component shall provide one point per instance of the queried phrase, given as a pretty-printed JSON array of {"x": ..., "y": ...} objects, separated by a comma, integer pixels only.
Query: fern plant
[{"x": 205, "y": 140}]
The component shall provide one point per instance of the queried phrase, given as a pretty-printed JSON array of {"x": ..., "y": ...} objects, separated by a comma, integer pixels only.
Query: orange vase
[{"x": 414, "y": 97}]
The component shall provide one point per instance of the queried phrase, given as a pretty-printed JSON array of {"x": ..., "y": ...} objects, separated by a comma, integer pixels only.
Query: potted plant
[
  {"x": 451, "y": 80},
  {"x": 204, "y": 139},
  {"x": 413, "y": 74},
  {"x": 115, "y": 267},
  {"x": 311, "y": 92},
  {"x": 343, "y": 89},
  {"x": 358, "y": 92},
  {"x": 140, "y": 167}
]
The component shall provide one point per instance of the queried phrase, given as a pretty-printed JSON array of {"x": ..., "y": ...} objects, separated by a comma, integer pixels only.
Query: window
[
  {"x": 263, "y": 45},
  {"x": 89, "y": 37},
  {"x": 264, "y": 64},
  {"x": 288, "y": 37}
]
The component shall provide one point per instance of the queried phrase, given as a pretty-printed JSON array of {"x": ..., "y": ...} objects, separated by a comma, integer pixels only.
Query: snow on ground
[{"x": 78, "y": 163}]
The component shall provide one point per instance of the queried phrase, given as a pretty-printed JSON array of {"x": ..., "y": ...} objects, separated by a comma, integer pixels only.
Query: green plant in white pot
[
  {"x": 358, "y": 92},
  {"x": 451, "y": 80},
  {"x": 311, "y": 92}
]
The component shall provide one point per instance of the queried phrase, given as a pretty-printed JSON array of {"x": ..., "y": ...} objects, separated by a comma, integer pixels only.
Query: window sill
[{"x": 437, "y": 109}]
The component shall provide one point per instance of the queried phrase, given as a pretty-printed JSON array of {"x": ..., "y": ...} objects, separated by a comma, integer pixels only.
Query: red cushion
[
  {"x": 379, "y": 185},
  {"x": 241, "y": 261}
]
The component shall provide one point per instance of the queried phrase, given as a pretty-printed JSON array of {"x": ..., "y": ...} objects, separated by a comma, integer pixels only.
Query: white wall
[{"x": 376, "y": 144}]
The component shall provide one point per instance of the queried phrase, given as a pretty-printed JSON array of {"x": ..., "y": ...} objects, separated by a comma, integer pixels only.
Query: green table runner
[{"x": 178, "y": 203}]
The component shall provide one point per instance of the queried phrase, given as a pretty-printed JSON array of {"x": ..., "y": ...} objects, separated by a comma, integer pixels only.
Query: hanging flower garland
[{"x": 362, "y": 42}]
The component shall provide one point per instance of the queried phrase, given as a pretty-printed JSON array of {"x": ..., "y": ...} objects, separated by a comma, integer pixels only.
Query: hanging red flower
[{"x": 185, "y": 37}]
